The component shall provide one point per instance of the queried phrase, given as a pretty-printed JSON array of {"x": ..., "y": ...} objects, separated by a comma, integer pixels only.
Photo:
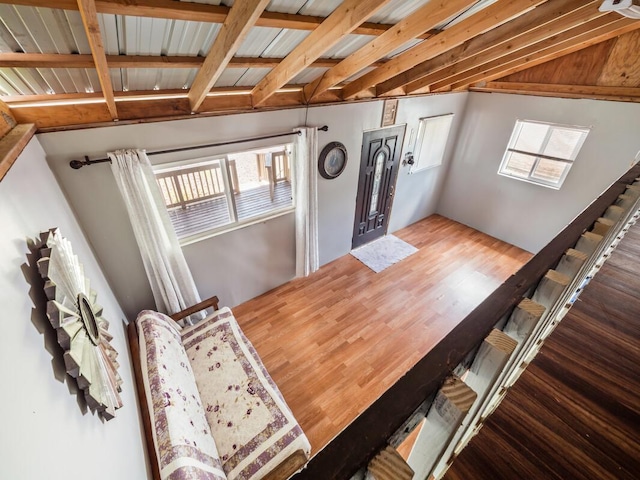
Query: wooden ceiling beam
[
  {"x": 92, "y": 28},
  {"x": 343, "y": 21},
  {"x": 490, "y": 17},
  {"x": 65, "y": 115},
  {"x": 57, "y": 60},
  {"x": 580, "y": 14},
  {"x": 423, "y": 19},
  {"x": 235, "y": 28},
  {"x": 198, "y": 12},
  {"x": 564, "y": 44},
  {"x": 536, "y": 18},
  {"x": 626, "y": 94}
]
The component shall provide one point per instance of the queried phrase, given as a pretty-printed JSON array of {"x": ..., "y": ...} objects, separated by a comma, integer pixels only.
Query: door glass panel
[{"x": 377, "y": 176}]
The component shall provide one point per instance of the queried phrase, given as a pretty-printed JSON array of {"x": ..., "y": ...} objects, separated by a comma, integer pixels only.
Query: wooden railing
[
  {"x": 507, "y": 327},
  {"x": 183, "y": 187}
]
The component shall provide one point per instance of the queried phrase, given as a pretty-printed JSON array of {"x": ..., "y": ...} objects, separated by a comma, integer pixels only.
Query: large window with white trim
[
  {"x": 542, "y": 153},
  {"x": 213, "y": 194}
]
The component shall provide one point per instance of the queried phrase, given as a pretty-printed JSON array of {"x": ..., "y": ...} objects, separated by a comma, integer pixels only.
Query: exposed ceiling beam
[
  {"x": 342, "y": 21},
  {"x": 561, "y": 23},
  {"x": 199, "y": 12},
  {"x": 57, "y": 60},
  {"x": 626, "y": 94},
  {"x": 77, "y": 112},
  {"x": 423, "y": 19},
  {"x": 565, "y": 44},
  {"x": 12, "y": 144},
  {"x": 235, "y": 28},
  {"x": 511, "y": 30},
  {"x": 92, "y": 28},
  {"x": 490, "y": 17}
]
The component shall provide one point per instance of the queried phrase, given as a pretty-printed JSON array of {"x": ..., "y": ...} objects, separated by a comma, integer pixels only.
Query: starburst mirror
[{"x": 77, "y": 318}]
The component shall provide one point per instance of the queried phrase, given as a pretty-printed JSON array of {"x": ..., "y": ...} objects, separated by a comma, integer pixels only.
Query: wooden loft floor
[
  {"x": 575, "y": 411},
  {"x": 336, "y": 340}
]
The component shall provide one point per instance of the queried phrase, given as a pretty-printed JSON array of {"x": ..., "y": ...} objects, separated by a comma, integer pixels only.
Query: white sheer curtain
[
  {"x": 306, "y": 198},
  {"x": 169, "y": 276}
]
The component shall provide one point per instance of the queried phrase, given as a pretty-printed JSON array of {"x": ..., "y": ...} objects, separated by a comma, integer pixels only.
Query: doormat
[{"x": 383, "y": 252}]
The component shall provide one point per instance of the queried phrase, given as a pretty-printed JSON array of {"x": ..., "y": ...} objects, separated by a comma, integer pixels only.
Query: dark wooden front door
[{"x": 378, "y": 172}]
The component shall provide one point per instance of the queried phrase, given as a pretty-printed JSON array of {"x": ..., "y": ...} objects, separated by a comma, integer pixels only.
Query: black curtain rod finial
[
  {"x": 324, "y": 128},
  {"x": 76, "y": 164}
]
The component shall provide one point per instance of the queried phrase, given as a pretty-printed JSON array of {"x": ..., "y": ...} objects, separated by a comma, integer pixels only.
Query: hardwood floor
[
  {"x": 575, "y": 411},
  {"x": 336, "y": 340}
]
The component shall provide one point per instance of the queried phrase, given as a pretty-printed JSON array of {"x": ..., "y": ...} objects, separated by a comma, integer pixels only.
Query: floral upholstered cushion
[
  {"x": 253, "y": 427},
  {"x": 182, "y": 436}
]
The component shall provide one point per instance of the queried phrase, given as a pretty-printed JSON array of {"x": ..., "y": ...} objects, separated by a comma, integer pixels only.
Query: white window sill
[{"x": 198, "y": 237}]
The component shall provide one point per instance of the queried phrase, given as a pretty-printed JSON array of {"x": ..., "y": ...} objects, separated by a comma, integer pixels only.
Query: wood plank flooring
[
  {"x": 336, "y": 340},
  {"x": 575, "y": 411}
]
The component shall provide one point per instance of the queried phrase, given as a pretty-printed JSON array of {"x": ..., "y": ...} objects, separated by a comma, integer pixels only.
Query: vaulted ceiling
[{"x": 68, "y": 63}]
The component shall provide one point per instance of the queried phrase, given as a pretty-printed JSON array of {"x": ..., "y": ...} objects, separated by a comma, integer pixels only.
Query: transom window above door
[{"x": 542, "y": 153}]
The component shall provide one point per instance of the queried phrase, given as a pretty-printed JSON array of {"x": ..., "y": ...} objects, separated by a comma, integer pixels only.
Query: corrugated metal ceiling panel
[
  {"x": 285, "y": 6},
  {"x": 135, "y": 79},
  {"x": 257, "y": 41},
  {"x": 474, "y": 9},
  {"x": 359, "y": 74},
  {"x": 307, "y": 75},
  {"x": 284, "y": 43},
  {"x": 124, "y": 35},
  {"x": 42, "y": 30},
  {"x": 32, "y": 81},
  {"x": 252, "y": 76},
  {"x": 348, "y": 45},
  {"x": 230, "y": 77},
  {"x": 403, "y": 48},
  {"x": 396, "y": 10},
  {"x": 319, "y": 8},
  {"x": 228, "y": 3}
]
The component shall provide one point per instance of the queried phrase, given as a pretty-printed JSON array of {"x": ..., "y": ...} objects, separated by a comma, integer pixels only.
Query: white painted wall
[
  {"x": 417, "y": 193},
  {"x": 521, "y": 213},
  {"x": 44, "y": 431},
  {"x": 239, "y": 265}
]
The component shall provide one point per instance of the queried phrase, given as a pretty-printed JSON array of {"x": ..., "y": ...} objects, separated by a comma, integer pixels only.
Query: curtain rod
[{"x": 77, "y": 164}]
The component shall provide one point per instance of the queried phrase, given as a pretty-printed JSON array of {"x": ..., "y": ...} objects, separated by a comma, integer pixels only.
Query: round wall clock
[
  {"x": 332, "y": 160},
  {"x": 82, "y": 332}
]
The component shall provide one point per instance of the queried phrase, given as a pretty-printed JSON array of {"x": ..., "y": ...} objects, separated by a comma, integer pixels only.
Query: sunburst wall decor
[{"x": 82, "y": 332}]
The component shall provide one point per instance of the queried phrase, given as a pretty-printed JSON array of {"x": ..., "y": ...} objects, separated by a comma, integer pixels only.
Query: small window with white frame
[
  {"x": 209, "y": 195},
  {"x": 542, "y": 153}
]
